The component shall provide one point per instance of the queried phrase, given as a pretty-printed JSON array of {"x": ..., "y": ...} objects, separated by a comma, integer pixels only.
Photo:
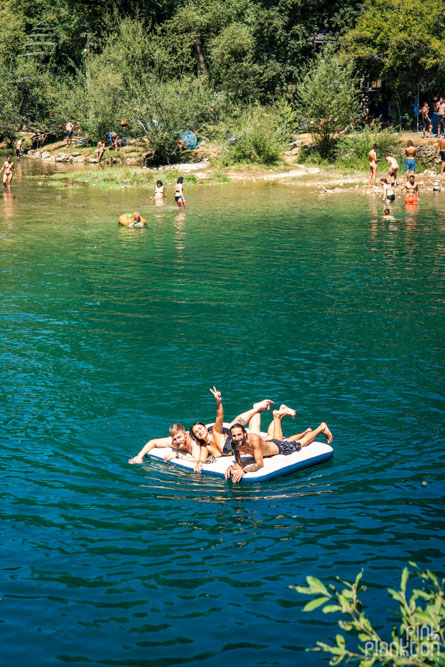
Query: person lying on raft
[
  {"x": 259, "y": 448},
  {"x": 274, "y": 431},
  {"x": 216, "y": 439},
  {"x": 179, "y": 440}
]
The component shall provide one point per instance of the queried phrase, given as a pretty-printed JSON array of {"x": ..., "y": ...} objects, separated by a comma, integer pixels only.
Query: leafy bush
[
  {"x": 351, "y": 150},
  {"x": 9, "y": 118},
  {"x": 260, "y": 136},
  {"x": 163, "y": 110},
  {"x": 419, "y": 640},
  {"x": 328, "y": 98}
]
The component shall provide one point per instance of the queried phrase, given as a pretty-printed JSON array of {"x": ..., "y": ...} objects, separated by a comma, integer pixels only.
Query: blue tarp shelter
[{"x": 189, "y": 139}]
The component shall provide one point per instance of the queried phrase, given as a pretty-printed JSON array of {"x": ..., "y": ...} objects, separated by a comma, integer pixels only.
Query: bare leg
[
  {"x": 312, "y": 435},
  {"x": 275, "y": 431},
  {"x": 247, "y": 416}
]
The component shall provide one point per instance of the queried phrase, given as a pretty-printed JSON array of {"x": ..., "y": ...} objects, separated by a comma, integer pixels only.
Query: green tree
[
  {"x": 164, "y": 109},
  {"x": 328, "y": 98},
  {"x": 261, "y": 133},
  {"x": 401, "y": 42},
  {"x": 9, "y": 104}
]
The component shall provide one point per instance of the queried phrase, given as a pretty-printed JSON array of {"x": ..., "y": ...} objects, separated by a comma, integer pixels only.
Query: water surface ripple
[{"x": 108, "y": 335}]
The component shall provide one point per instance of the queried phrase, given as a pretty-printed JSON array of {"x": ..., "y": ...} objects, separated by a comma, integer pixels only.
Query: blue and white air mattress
[{"x": 274, "y": 466}]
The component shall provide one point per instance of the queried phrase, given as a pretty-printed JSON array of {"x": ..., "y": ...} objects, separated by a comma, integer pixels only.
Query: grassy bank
[{"x": 346, "y": 165}]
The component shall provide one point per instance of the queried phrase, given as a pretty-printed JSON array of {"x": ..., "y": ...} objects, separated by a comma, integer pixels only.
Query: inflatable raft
[
  {"x": 274, "y": 466},
  {"x": 128, "y": 220}
]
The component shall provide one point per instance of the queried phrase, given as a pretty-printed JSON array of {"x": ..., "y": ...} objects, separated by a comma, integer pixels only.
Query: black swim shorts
[{"x": 286, "y": 447}]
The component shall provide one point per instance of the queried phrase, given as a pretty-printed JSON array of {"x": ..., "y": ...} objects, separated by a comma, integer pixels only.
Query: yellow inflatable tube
[{"x": 132, "y": 220}]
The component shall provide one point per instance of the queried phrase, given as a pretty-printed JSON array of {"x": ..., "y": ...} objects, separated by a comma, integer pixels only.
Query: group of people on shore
[
  {"x": 390, "y": 182},
  {"x": 201, "y": 445},
  {"x": 410, "y": 161},
  {"x": 426, "y": 124}
]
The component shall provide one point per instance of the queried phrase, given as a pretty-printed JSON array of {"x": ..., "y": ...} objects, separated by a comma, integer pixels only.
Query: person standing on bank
[
  {"x": 425, "y": 119},
  {"x": 373, "y": 160},
  {"x": 410, "y": 158},
  {"x": 441, "y": 147},
  {"x": 69, "y": 129}
]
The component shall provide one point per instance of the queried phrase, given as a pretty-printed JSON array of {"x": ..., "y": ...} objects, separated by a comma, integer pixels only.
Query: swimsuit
[
  {"x": 287, "y": 447},
  {"x": 227, "y": 449},
  {"x": 410, "y": 164},
  {"x": 411, "y": 199},
  {"x": 442, "y": 155}
]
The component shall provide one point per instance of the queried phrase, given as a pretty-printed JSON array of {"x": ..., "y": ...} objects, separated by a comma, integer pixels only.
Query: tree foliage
[
  {"x": 94, "y": 62},
  {"x": 419, "y": 640},
  {"x": 401, "y": 42},
  {"x": 329, "y": 98}
]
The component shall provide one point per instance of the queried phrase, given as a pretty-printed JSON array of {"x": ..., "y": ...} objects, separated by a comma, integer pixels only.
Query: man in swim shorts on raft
[
  {"x": 217, "y": 439},
  {"x": 259, "y": 448}
]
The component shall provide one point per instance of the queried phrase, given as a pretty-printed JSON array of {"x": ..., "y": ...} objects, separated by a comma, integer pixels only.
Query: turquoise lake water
[{"x": 108, "y": 335}]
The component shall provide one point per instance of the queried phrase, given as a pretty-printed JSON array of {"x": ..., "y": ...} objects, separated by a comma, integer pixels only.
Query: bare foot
[
  {"x": 327, "y": 433},
  {"x": 284, "y": 410},
  {"x": 263, "y": 405}
]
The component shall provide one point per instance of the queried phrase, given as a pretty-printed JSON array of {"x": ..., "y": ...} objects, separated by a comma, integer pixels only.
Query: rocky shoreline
[{"x": 325, "y": 179}]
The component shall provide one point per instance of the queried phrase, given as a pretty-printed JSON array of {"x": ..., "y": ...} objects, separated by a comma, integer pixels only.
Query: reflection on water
[
  {"x": 110, "y": 334},
  {"x": 8, "y": 203}
]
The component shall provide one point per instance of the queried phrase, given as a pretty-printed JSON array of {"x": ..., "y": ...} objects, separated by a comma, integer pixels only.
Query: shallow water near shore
[{"x": 109, "y": 334}]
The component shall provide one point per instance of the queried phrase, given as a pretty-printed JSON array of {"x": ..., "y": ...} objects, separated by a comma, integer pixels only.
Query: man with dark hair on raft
[{"x": 255, "y": 446}]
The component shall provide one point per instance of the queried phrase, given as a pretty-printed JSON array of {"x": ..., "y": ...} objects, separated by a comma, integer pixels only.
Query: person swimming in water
[{"x": 179, "y": 194}]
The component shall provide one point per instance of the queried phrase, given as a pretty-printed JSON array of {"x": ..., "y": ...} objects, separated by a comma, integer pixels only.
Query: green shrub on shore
[
  {"x": 350, "y": 151},
  {"x": 328, "y": 99},
  {"x": 418, "y": 641},
  {"x": 260, "y": 135}
]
